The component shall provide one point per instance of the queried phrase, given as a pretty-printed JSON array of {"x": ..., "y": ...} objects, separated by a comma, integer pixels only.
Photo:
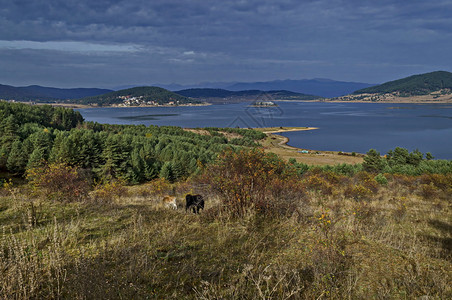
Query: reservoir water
[{"x": 342, "y": 126}]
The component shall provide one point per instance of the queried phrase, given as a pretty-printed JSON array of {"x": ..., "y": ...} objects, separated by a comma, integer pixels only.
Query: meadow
[{"x": 317, "y": 235}]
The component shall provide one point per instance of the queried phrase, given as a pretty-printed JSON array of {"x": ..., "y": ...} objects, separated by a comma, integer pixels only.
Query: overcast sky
[{"x": 107, "y": 43}]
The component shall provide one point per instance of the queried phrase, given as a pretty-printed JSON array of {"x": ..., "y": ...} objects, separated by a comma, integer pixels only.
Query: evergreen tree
[
  {"x": 399, "y": 156},
  {"x": 8, "y": 134},
  {"x": 37, "y": 158},
  {"x": 178, "y": 170},
  {"x": 17, "y": 159},
  {"x": 115, "y": 155},
  {"x": 138, "y": 166},
  {"x": 89, "y": 155},
  {"x": 167, "y": 172},
  {"x": 373, "y": 161},
  {"x": 415, "y": 157}
]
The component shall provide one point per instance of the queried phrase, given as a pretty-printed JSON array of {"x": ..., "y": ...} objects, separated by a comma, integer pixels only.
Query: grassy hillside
[
  {"x": 414, "y": 85},
  {"x": 317, "y": 236},
  {"x": 250, "y": 95},
  {"x": 146, "y": 93}
]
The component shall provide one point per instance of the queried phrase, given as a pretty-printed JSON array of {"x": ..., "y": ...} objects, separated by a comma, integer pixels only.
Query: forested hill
[
  {"x": 422, "y": 84},
  {"x": 138, "y": 95},
  {"x": 209, "y": 94},
  {"x": 36, "y": 135},
  {"x": 46, "y": 94}
]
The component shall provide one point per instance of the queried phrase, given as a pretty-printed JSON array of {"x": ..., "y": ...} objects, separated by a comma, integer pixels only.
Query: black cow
[{"x": 194, "y": 202}]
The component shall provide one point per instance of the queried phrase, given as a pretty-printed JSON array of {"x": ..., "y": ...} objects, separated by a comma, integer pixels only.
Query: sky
[{"x": 107, "y": 43}]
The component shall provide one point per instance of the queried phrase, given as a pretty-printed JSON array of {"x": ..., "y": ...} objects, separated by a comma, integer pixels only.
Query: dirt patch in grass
[
  {"x": 228, "y": 135},
  {"x": 198, "y": 131}
]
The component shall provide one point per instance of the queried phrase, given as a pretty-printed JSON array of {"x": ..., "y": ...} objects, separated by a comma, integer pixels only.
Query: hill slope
[
  {"x": 322, "y": 87},
  {"x": 41, "y": 93},
  {"x": 211, "y": 95},
  {"x": 56, "y": 93},
  {"x": 137, "y": 96},
  {"x": 421, "y": 84}
]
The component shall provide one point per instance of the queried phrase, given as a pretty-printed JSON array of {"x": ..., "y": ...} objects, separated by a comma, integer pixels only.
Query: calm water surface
[{"x": 342, "y": 126}]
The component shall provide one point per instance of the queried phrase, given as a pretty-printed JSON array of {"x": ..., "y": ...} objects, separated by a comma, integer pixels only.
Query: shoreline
[
  {"x": 285, "y": 140},
  {"x": 285, "y": 143},
  {"x": 290, "y": 129},
  {"x": 87, "y": 106},
  {"x": 279, "y": 144},
  {"x": 79, "y": 106},
  {"x": 394, "y": 102}
]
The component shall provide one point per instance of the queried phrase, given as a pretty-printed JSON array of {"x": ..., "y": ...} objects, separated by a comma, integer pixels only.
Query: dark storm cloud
[{"x": 182, "y": 41}]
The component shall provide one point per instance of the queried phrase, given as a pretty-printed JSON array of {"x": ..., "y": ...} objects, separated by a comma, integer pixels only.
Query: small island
[{"x": 264, "y": 104}]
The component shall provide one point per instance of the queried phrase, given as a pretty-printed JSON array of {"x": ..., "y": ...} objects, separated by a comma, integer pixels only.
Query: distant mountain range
[
  {"x": 309, "y": 87},
  {"x": 46, "y": 94},
  {"x": 322, "y": 87},
  {"x": 221, "y": 95},
  {"x": 421, "y": 84},
  {"x": 436, "y": 85}
]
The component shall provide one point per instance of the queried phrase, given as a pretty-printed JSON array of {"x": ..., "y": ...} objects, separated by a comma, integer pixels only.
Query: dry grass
[
  {"x": 393, "y": 244},
  {"x": 278, "y": 144}
]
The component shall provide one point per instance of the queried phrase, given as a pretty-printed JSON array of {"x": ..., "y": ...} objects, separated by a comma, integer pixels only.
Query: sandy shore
[
  {"x": 278, "y": 144},
  {"x": 289, "y": 129}
]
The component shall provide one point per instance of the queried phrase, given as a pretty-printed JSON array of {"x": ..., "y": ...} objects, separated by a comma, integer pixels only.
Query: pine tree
[
  {"x": 8, "y": 134},
  {"x": 17, "y": 159},
  {"x": 167, "y": 172},
  {"x": 373, "y": 161},
  {"x": 138, "y": 166},
  {"x": 37, "y": 158}
]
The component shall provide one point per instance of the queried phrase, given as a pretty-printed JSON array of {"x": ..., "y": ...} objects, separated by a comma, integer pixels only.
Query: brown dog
[{"x": 169, "y": 202}]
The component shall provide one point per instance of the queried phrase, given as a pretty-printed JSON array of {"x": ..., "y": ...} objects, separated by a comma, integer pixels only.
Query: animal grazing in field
[
  {"x": 169, "y": 202},
  {"x": 194, "y": 202}
]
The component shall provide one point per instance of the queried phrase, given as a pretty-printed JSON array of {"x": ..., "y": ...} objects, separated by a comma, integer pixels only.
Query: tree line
[{"x": 35, "y": 135}]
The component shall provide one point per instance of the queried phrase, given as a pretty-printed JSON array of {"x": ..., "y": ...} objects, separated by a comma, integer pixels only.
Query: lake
[{"x": 342, "y": 126}]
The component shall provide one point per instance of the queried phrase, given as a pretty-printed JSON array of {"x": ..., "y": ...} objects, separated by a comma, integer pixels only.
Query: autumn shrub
[
  {"x": 252, "y": 179},
  {"x": 404, "y": 180},
  {"x": 428, "y": 191},
  {"x": 143, "y": 192},
  {"x": 159, "y": 186},
  {"x": 367, "y": 180},
  {"x": 285, "y": 196},
  {"x": 357, "y": 192},
  {"x": 443, "y": 182},
  {"x": 318, "y": 184},
  {"x": 109, "y": 191},
  {"x": 5, "y": 186},
  {"x": 59, "y": 182},
  {"x": 334, "y": 178}
]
